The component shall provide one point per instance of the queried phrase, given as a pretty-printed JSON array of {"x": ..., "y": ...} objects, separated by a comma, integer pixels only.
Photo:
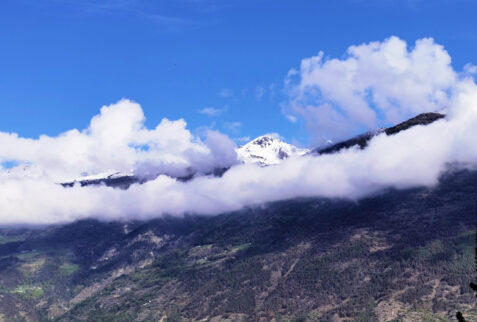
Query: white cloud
[
  {"x": 233, "y": 127},
  {"x": 117, "y": 138},
  {"x": 226, "y": 93},
  {"x": 260, "y": 91},
  {"x": 243, "y": 139},
  {"x": 411, "y": 158},
  {"x": 470, "y": 68},
  {"x": 212, "y": 111},
  {"x": 374, "y": 84},
  {"x": 291, "y": 118},
  {"x": 274, "y": 135}
]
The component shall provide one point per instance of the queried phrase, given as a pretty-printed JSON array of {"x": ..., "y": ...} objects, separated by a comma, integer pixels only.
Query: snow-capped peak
[
  {"x": 103, "y": 176},
  {"x": 268, "y": 150}
]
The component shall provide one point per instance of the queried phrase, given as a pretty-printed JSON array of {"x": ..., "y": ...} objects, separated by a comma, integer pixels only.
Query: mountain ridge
[
  {"x": 363, "y": 139},
  {"x": 264, "y": 150}
]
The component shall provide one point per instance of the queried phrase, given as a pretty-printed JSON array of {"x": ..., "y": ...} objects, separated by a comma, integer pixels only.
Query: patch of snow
[{"x": 100, "y": 176}]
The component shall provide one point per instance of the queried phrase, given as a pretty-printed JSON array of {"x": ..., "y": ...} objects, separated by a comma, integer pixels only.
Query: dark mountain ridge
[{"x": 363, "y": 139}]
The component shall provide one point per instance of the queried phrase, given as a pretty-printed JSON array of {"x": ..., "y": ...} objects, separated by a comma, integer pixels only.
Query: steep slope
[
  {"x": 267, "y": 150},
  {"x": 402, "y": 255}
]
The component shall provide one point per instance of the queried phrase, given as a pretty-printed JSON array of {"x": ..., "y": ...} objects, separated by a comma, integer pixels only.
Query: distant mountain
[
  {"x": 125, "y": 180},
  {"x": 264, "y": 150},
  {"x": 268, "y": 150},
  {"x": 115, "y": 179}
]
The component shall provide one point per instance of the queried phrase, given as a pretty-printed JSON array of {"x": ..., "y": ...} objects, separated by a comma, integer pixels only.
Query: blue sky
[{"x": 61, "y": 60}]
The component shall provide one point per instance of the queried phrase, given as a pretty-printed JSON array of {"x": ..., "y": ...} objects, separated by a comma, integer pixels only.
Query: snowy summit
[{"x": 268, "y": 150}]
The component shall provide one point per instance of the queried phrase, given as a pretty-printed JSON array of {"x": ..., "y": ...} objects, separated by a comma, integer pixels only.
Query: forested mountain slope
[{"x": 401, "y": 255}]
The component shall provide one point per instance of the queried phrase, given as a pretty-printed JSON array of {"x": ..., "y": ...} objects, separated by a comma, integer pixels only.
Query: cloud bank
[
  {"x": 375, "y": 84},
  {"x": 117, "y": 139}
]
